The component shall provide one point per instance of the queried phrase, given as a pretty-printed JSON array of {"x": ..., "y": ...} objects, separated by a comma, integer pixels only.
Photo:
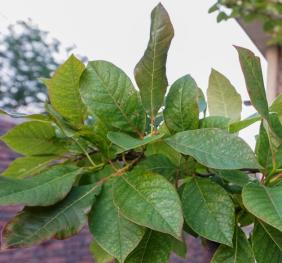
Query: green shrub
[{"x": 142, "y": 168}]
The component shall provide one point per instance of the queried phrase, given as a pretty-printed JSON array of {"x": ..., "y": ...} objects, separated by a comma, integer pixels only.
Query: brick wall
[{"x": 72, "y": 250}]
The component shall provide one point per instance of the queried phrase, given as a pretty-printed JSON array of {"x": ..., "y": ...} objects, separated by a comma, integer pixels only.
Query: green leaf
[
  {"x": 234, "y": 176},
  {"x": 63, "y": 90},
  {"x": 109, "y": 94},
  {"x": 62, "y": 220},
  {"x": 214, "y": 148},
  {"x": 154, "y": 247},
  {"x": 38, "y": 117},
  {"x": 28, "y": 166},
  {"x": 251, "y": 68},
  {"x": 215, "y": 122},
  {"x": 181, "y": 106},
  {"x": 114, "y": 233},
  {"x": 149, "y": 200},
  {"x": 240, "y": 125},
  {"x": 276, "y": 106},
  {"x": 209, "y": 210},
  {"x": 202, "y": 104},
  {"x": 267, "y": 244},
  {"x": 150, "y": 72},
  {"x": 179, "y": 247},
  {"x": 263, "y": 150},
  {"x": 43, "y": 190},
  {"x": 241, "y": 252},
  {"x": 160, "y": 164},
  {"x": 160, "y": 147},
  {"x": 223, "y": 99},
  {"x": 264, "y": 203},
  {"x": 33, "y": 138},
  {"x": 128, "y": 142},
  {"x": 99, "y": 254}
]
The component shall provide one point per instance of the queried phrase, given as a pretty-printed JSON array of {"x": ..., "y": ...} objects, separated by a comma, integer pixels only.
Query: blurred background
[{"x": 36, "y": 36}]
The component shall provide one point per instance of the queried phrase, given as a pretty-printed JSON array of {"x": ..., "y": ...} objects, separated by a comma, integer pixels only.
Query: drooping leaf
[
  {"x": 223, "y": 99},
  {"x": 240, "y": 125},
  {"x": 264, "y": 202},
  {"x": 99, "y": 254},
  {"x": 109, "y": 94},
  {"x": 63, "y": 90},
  {"x": 150, "y": 72},
  {"x": 128, "y": 142},
  {"x": 62, "y": 220},
  {"x": 208, "y": 210},
  {"x": 267, "y": 244},
  {"x": 251, "y": 68},
  {"x": 241, "y": 252},
  {"x": 234, "y": 176},
  {"x": 33, "y": 138},
  {"x": 154, "y": 247},
  {"x": 43, "y": 190},
  {"x": 160, "y": 164},
  {"x": 114, "y": 233},
  {"x": 215, "y": 122},
  {"x": 28, "y": 166},
  {"x": 181, "y": 106},
  {"x": 214, "y": 148},
  {"x": 149, "y": 200}
]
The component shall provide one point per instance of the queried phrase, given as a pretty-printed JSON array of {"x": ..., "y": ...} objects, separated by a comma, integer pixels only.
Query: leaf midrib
[
  {"x": 152, "y": 205},
  {"x": 55, "y": 217},
  {"x": 210, "y": 211},
  {"x": 33, "y": 188},
  {"x": 136, "y": 129}
]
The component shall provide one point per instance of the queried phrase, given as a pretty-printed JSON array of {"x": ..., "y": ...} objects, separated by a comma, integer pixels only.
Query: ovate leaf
[
  {"x": 181, "y": 107},
  {"x": 154, "y": 247},
  {"x": 34, "y": 225},
  {"x": 241, "y": 252},
  {"x": 214, "y": 148},
  {"x": 63, "y": 90},
  {"x": 33, "y": 138},
  {"x": 251, "y": 68},
  {"x": 109, "y": 94},
  {"x": 265, "y": 203},
  {"x": 223, "y": 99},
  {"x": 267, "y": 243},
  {"x": 150, "y": 72},
  {"x": 114, "y": 233},
  {"x": 128, "y": 142},
  {"x": 43, "y": 190},
  {"x": 28, "y": 166},
  {"x": 149, "y": 200},
  {"x": 99, "y": 254},
  {"x": 208, "y": 210}
]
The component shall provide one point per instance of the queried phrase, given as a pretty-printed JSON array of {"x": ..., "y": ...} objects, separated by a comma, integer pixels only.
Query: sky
[{"x": 118, "y": 31}]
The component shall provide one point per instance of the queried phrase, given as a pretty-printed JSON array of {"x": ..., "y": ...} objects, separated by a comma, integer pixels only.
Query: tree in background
[
  {"x": 268, "y": 12},
  {"x": 26, "y": 54}
]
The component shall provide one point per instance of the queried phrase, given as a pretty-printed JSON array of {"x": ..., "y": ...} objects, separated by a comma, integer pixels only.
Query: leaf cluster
[
  {"x": 143, "y": 168},
  {"x": 269, "y": 13}
]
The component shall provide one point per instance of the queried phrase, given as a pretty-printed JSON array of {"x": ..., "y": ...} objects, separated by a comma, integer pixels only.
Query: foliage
[
  {"x": 143, "y": 169},
  {"x": 26, "y": 54},
  {"x": 269, "y": 13}
]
